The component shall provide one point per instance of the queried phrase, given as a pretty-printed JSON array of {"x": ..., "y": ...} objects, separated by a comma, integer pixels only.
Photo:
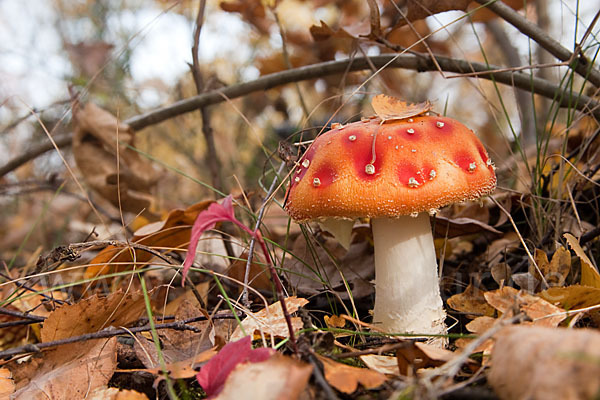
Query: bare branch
[
  {"x": 106, "y": 333},
  {"x": 417, "y": 62},
  {"x": 578, "y": 61}
]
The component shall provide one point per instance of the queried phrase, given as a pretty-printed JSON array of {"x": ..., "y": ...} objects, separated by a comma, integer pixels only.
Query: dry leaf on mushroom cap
[{"x": 390, "y": 108}]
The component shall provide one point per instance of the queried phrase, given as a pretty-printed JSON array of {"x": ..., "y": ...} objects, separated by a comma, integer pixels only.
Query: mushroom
[{"x": 396, "y": 173}]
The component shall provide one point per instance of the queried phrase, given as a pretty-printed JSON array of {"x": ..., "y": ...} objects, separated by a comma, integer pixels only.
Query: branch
[
  {"x": 211, "y": 156},
  {"x": 578, "y": 62},
  {"x": 417, "y": 62},
  {"x": 103, "y": 334}
]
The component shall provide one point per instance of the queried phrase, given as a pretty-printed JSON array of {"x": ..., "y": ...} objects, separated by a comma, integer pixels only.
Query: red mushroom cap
[{"x": 370, "y": 169}]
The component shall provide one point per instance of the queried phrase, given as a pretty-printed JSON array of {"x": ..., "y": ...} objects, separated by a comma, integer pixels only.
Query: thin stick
[
  {"x": 19, "y": 314},
  {"x": 105, "y": 333},
  {"x": 259, "y": 218},
  {"x": 581, "y": 65},
  {"x": 514, "y": 225},
  {"x": 214, "y": 164}
]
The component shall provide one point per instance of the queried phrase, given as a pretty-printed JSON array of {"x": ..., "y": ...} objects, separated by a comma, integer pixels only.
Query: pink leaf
[
  {"x": 213, "y": 375},
  {"x": 205, "y": 221}
]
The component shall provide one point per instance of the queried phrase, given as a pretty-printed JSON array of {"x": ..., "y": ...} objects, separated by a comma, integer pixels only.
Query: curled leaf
[
  {"x": 206, "y": 220},
  {"x": 390, "y": 108}
]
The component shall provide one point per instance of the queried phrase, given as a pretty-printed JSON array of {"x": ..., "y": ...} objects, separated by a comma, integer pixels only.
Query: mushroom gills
[{"x": 341, "y": 229}]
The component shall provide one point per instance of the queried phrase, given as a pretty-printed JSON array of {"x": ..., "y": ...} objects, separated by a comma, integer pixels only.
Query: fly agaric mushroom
[{"x": 395, "y": 172}]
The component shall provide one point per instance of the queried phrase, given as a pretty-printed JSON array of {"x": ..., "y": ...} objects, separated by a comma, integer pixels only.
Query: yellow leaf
[
  {"x": 589, "y": 274},
  {"x": 509, "y": 300},
  {"x": 335, "y": 321},
  {"x": 271, "y": 320},
  {"x": 471, "y": 301},
  {"x": 572, "y": 297}
]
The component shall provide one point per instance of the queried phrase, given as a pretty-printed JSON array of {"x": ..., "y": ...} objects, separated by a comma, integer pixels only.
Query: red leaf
[
  {"x": 207, "y": 220},
  {"x": 213, "y": 375}
]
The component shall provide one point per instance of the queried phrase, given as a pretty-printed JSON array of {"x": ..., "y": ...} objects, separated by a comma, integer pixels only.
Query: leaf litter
[{"x": 556, "y": 292}]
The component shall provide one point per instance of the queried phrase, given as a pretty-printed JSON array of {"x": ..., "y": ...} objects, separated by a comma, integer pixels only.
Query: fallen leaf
[
  {"x": 384, "y": 364},
  {"x": 454, "y": 227},
  {"x": 93, "y": 314},
  {"x": 472, "y": 302},
  {"x": 389, "y": 108},
  {"x": 346, "y": 378},
  {"x": 479, "y": 326},
  {"x": 421, "y": 355},
  {"x": 554, "y": 272},
  {"x": 111, "y": 393},
  {"x": 335, "y": 321},
  {"x": 589, "y": 274},
  {"x": 499, "y": 247},
  {"x": 67, "y": 372},
  {"x": 173, "y": 232},
  {"x": 213, "y": 375},
  {"x": 510, "y": 301},
  {"x": 271, "y": 321},
  {"x": 258, "y": 277},
  {"x": 97, "y": 140},
  {"x": 202, "y": 288},
  {"x": 574, "y": 297},
  {"x": 277, "y": 378},
  {"x": 7, "y": 385},
  {"x": 182, "y": 369},
  {"x": 177, "y": 345},
  {"x": 546, "y": 363},
  {"x": 501, "y": 273}
]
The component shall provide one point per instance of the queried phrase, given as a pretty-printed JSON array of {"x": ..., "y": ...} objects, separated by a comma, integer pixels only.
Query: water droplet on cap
[
  {"x": 316, "y": 182},
  {"x": 306, "y": 163},
  {"x": 369, "y": 169},
  {"x": 439, "y": 124},
  {"x": 410, "y": 131},
  {"x": 352, "y": 138},
  {"x": 472, "y": 167},
  {"x": 413, "y": 183}
]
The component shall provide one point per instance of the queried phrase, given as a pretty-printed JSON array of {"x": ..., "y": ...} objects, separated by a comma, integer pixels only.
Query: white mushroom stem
[{"x": 407, "y": 292}]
